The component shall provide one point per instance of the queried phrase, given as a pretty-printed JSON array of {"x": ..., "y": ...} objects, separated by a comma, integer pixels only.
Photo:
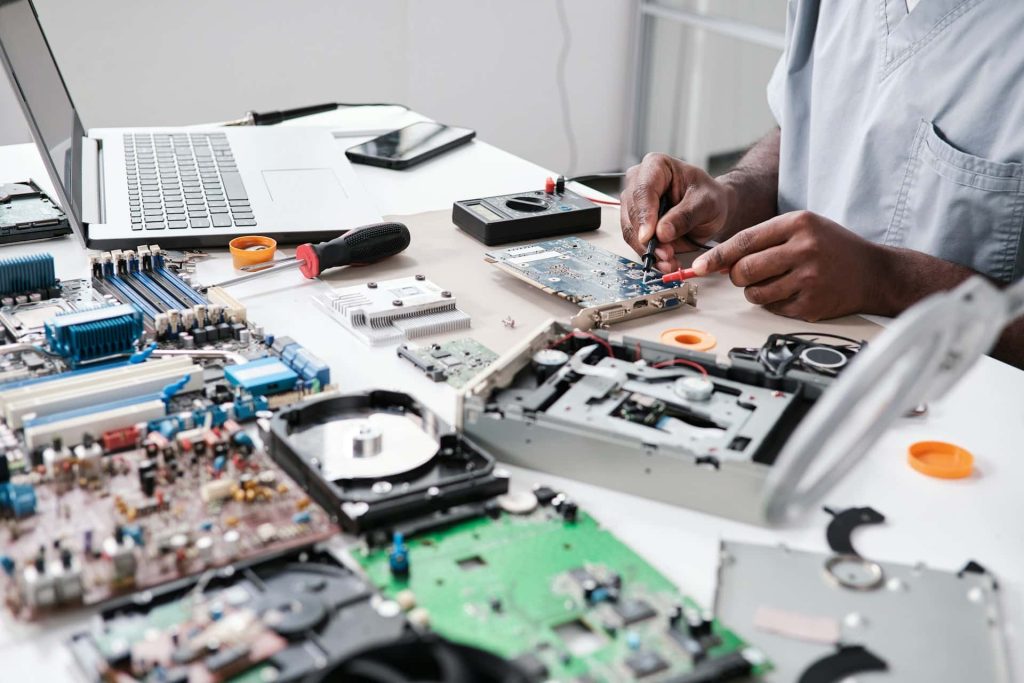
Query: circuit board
[
  {"x": 107, "y": 524},
  {"x": 281, "y": 619},
  {"x": 602, "y": 283},
  {"x": 455, "y": 362},
  {"x": 125, "y": 459},
  {"x": 561, "y": 596}
]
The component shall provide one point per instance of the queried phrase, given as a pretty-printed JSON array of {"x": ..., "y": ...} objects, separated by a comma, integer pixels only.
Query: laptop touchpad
[{"x": 302, "y": 185}]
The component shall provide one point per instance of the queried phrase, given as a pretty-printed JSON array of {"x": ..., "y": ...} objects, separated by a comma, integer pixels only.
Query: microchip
[
  {"x": 33, "y": 361},
  {"x": 582, "y": 576},
  {"x": 531, "y": 666},
  {"x": 646, "y": 663},
  {"x": 632, "y": 611}
]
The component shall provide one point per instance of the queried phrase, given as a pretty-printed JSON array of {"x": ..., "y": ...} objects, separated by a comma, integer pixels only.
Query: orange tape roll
[
  {"x": 249, "y": 250},
  {"x": 940, "y": 459},
  {"x": 688, "y": 338}
]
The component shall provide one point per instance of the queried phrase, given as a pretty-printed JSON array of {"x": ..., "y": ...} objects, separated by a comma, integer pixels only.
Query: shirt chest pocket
[{"x": 960, "y": 207}]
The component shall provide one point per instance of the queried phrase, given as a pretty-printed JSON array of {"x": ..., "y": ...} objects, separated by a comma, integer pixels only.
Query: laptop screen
[{"x": 38, "y": 84}]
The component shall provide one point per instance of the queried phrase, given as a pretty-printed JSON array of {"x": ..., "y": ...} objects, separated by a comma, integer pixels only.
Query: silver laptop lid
[{"x": 44, "y": 98}]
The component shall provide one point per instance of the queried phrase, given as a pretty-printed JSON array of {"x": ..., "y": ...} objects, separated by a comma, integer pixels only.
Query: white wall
[{"x": 487, "y": 64}]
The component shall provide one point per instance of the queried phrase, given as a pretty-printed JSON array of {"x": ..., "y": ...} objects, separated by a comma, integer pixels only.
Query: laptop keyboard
[{"x": 184, "y": 180}]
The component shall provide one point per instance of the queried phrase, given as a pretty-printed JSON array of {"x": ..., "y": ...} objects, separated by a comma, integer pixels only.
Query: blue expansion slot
[
  {"x": 60, "y": 375},
  {"x": 174, "y": 280},
  {"x": 27, "y": 274},
  {"x": 98, "y": 333},
  {"x": 89, "y": 410},
  {"x": 155, "y": 288},
  {"x": 129, "y": 294}
]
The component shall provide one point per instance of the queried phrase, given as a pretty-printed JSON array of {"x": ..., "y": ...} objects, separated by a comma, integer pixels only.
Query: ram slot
[
  {"x": 125, "y": 294},
  {"x": 172, "y": 281},
  {"x": 143, "y": 280}
]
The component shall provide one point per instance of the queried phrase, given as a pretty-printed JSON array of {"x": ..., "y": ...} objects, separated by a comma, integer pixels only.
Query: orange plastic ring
[
  {"x": 248, "y": 250},
  {"x": 940, "y": 459},
  {"x": 688, "y": 338}
]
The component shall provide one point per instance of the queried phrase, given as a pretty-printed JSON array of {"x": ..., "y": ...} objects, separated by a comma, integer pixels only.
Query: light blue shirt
[{"x": 908, "y": 128}]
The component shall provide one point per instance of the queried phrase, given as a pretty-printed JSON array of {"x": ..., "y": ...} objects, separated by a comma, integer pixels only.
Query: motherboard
[
  {"x": 127, "y": 460},
  {"x": 540, "y": 582},
  {"x": 607, "y": 287}
]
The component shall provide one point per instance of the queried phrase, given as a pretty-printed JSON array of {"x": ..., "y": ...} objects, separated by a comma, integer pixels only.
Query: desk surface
[{"x": 940, "y": 523}]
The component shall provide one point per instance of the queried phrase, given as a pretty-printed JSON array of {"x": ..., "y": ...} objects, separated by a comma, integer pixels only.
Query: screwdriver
[{"x": 356, "y": 247}]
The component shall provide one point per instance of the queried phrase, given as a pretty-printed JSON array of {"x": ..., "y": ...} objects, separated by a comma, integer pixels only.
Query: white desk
[{"x": 942, "y": 523}]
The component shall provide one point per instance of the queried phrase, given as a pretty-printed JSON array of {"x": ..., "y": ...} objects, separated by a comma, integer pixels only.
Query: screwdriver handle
[{"x": 358, "y": 246}]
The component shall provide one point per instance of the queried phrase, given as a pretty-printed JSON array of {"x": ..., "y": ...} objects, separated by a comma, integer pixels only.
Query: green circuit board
[
  {"x": 455, "y": 362},
  {"x": 540, "y": 589}
]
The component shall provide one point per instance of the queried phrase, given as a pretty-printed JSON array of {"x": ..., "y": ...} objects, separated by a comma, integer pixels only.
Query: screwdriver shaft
[{"x": 282, "y": 265}]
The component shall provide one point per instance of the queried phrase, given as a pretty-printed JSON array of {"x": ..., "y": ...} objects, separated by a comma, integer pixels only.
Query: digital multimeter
[{"x": 526, "y": 215}]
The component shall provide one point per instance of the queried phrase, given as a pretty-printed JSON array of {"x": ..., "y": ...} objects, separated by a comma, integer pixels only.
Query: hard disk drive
[{"x": 376, "y": 458}]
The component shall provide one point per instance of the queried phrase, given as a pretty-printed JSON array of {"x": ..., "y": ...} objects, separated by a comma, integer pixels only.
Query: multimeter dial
[
  {"x": 526, "y": 215},
  {"x": 527, "y": 204}
]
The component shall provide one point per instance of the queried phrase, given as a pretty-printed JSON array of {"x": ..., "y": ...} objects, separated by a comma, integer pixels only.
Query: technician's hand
[
  {"x": 700, "y": 207},
  {"x": 800, "y": 265}
]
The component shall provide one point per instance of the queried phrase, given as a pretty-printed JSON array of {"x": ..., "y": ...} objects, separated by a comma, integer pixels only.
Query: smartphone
[{"x": 409, "y": 146}]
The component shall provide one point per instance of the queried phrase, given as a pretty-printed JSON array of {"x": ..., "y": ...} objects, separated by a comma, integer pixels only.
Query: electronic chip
[
  {"x": 646, "y": 663},
  {"x": 532, "y": 666},
  {"x": 632, "y": 611}
]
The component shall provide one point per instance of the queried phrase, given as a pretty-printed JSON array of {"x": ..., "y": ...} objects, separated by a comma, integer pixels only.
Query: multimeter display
[
  {"x": 526, "y": 216},
  {"x": 485, "y": 213}
]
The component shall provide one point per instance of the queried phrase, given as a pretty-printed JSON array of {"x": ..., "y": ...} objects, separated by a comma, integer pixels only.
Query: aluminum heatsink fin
[{"x": 391, "y": 311}]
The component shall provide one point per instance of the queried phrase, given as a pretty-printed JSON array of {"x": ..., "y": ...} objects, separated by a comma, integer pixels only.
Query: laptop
[{"x": 178, "y": 187}]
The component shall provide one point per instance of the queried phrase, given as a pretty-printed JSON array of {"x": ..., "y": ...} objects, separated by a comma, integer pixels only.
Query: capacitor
[
  {"x": 232, "y": 541},
  {"x": 87, "y": 542},
  {"x": 187, "y": 341},
  {"x": 547, "y": 361},
  {"x": 147, "y": 480},
  {"x": 398, "y": 558},
  {"x": 204, "y": 548},
  {"x": 569, "y": 510},
  {"x": 244, "y": 337}
]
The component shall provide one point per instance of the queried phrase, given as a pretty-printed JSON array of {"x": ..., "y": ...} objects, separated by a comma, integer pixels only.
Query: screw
[
  {"x": 421, "y": 277},
  {"x": 396, "y": 302},
  {"x": 446, "y": 294},
  {"x": 371, "y": 285}
]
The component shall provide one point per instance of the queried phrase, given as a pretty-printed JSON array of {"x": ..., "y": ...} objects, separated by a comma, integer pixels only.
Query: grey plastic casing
[{"x": 603, "y": 455}]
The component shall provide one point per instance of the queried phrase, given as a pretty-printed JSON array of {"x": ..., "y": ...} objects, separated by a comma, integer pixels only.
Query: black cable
[
  {"x": 596, "y": 176},
  {"x": 270, "y": 118}
]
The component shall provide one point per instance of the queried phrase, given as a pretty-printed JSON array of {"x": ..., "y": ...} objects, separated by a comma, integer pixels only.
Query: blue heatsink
[
  {"x": 26, "y": 274},
  {"x": 85, "y": 336}
]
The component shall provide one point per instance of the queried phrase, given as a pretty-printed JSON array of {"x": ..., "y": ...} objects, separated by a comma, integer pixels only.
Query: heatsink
[
  {"x": 391, "y": 311},
  {"x": 89, "y": 335},
  {"x": 25, "y": 274}
]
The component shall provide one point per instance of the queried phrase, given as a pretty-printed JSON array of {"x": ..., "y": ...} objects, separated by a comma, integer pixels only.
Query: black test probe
[{"x": 649, "y": 258}]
